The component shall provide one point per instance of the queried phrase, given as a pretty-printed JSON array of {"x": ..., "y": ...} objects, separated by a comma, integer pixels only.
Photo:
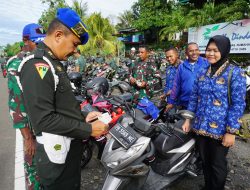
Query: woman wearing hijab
[{"x": 217, "y": 116}]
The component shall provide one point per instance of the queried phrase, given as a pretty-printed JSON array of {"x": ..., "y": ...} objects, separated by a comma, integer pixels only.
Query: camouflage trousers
[{"x": 31, "y": 178}]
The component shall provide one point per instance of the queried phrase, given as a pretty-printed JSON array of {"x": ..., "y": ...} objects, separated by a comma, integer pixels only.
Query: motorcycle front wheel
[{"x": 86, "y": 155}]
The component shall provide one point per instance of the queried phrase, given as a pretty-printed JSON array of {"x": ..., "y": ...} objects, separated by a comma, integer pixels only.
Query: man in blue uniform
[
  {"x": 172, "y": 57},
  {"x": 185, "y": 76}
]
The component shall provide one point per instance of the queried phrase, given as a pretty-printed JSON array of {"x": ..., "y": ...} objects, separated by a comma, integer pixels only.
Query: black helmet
[
  {"x": 98, "y": 85},
  {"x": 76, "y": 78}
]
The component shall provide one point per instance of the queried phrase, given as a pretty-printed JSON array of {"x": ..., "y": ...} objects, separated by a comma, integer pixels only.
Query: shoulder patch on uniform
[{"x": 42, "y": 69}]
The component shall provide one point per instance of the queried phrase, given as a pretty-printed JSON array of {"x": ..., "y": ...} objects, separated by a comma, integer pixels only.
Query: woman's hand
[
  {"x": 228, "y": 140},
  {"x": 186, "y": 126}
]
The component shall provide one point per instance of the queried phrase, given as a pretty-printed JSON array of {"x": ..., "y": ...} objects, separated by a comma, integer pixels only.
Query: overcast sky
[{"x": 15, "y": 14}]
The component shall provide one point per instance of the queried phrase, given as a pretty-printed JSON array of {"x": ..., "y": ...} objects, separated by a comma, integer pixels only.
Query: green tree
[
  {"x": 49, "y": 14},
  {"x": 100, "y": 32},
  {"x": 81, "y": 8},
  {"x": 13, "y": 49},
  {"x": 177, "y": 21},
  {"x": 152, "y": 13},
  {"x": 236, "y": 10},
  {"x": 209, "y": 14},
  {"x": 200, "y": 3},
  {"x": 125, "y": 20}
]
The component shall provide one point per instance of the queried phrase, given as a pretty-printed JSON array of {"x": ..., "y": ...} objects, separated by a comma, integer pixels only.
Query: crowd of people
[{"x": 42, "y": 104}]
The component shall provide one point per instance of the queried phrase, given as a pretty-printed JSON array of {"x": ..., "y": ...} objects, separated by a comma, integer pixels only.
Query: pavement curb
[{"x": 19, "y": 163}]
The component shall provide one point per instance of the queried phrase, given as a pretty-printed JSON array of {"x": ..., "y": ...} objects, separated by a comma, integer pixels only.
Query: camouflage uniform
[
  {"x": 81, "y": 63},
  {"x": 144, "y": 71},
  {"x": 112, "y": 64},
  {"x": 19, "y": 117}
]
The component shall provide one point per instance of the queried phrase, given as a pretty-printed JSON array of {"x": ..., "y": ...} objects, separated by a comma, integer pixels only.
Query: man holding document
[{"x": 53, "y": 111}]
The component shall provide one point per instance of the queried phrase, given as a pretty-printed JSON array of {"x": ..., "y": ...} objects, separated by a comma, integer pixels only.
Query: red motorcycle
[{"x": 96, "y": 89}]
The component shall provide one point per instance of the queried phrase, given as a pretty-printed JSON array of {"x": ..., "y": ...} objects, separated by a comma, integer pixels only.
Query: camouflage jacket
[
  {"x": 15, "y": 103},
  {"x": 144, "y": 71}
]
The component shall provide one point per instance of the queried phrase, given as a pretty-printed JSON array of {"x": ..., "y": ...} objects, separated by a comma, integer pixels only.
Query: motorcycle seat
[{"x": 126, "y": 97}]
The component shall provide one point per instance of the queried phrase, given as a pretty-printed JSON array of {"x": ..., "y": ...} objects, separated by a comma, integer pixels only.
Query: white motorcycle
[{"x": 143, "y": 155}]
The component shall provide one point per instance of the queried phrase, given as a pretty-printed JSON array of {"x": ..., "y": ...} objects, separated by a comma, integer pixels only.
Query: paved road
[{"x": 7, "y": 141}]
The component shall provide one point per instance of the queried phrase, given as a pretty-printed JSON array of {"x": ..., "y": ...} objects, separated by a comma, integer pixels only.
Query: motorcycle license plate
[{"x": 125, "y": 136}]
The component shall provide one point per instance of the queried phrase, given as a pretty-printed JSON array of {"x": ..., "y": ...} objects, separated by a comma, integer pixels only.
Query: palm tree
[
  {"x": 80, "y": 8},
  {"x": 100, "y": 32},
  {"x": 125, "y": 20},
  {"x": 237, "y": 10},
  {"x": 209, "y": 14},
  {"x": 177, "y": 21},
  {"x": 49, "y": 14}
]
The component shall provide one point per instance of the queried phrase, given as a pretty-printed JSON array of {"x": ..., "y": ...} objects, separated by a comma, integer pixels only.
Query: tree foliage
[
  {"x": 12, "y": 50},
  {"x": 81, "y": 8},
  {"x": 126, "y": 20},
  {"x": 172, "y": 17},
  {"x": 236, "y": 10},
  {"x": 49, "y": 14},
  {"x": 152, "y": 13},
  {"x": 100, "y": 32},
  {"x": 164, "y": 17},
  {"x": 209, "y": 14},
  {"x": 99, "y": 28}
]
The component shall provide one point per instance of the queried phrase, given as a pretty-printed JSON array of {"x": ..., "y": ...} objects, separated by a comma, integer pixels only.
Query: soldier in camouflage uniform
[
  {"x": 31, "y": 36},
  {"x": 112, "y": 62},
  {"x": 132, "y": 58},
  {"x": 143, "y": 75}
]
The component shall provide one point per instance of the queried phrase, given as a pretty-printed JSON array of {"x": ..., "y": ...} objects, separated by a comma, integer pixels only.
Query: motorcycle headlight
[
  {"x": 126, "y": 155},
  {"x": 116, "y": 158},
  {"x": 112, "y": 164},
  {"x": 135, "y": 170}
]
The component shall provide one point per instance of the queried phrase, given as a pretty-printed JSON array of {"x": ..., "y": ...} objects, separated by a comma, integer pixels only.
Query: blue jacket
[
  {"x": 184, "y": 80},
  {"x": 210, "y": 102},
  {"x": 170, "y": 75}
]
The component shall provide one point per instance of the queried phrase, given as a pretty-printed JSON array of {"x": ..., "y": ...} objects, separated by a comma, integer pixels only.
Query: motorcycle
[
  {"x": 4, "y": 70},
  {"x": 115, "y": 111},
  {"x": 91, "y": 98},
  {"x": 141, "y": 154},
  {"x": 4, "y": 73}
]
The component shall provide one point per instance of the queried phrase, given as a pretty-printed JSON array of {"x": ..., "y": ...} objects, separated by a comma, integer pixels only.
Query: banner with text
[{"x": 237, "y": 31}]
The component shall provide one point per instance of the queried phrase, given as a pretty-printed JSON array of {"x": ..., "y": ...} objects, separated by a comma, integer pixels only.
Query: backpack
[{"x": 148, "y": 107}]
